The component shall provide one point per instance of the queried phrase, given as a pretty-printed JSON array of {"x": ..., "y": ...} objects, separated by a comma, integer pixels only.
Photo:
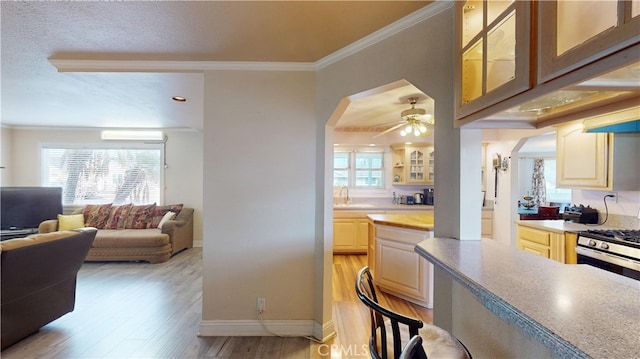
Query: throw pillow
[
  {"x": 167, "y": 217},
  {"x": 70, "y": 221},
  {"x": 96, "y": 215},
  {"x": 139, "y": 217},
  {"x": 160, "y": 211},
  {"x": 117, "y": 216}
]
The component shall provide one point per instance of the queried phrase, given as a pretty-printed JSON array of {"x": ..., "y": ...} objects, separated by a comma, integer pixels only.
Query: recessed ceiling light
[{"x": 179, "y": 99}]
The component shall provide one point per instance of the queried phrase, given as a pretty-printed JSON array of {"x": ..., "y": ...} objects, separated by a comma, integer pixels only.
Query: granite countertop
[
  {"x": 560, "y": 226},
  {"x": 421, "y": 222},
  {"x": 575, "y": 310}
]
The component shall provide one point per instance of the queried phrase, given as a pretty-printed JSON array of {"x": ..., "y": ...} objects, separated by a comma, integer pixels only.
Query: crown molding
[
  {"x": 174, "y": 66},
  {"x": 69, "y": 65}
]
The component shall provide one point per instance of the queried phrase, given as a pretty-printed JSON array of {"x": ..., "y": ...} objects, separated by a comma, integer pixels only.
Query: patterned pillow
[
  {"x": 139, "y": 217},
  {"x": 160, "y": 211},
  {"x": 96, "y": 215},
  {"x": 117, "y": 216}
]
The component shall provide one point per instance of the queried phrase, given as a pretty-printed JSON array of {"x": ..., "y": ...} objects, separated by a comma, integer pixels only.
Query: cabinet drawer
[
  {"x": 534, "y": 235},
  {"x": 535, "y": 249}
]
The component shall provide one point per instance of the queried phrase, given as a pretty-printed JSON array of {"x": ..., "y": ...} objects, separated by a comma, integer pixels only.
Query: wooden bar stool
[{"x": 390, "y": 329}]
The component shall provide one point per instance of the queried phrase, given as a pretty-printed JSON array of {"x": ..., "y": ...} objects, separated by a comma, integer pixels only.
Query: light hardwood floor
[{"x": 140, "y": 310}]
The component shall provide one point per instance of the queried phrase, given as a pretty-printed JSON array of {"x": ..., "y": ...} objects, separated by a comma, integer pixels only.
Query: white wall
[{"x": 183, "y": 177}]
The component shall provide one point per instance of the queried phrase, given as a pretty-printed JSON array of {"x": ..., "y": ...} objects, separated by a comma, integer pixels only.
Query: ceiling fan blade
[{"x": 390, "y": 129}]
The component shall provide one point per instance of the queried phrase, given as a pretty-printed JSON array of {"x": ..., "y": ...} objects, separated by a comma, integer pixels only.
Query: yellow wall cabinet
[
  {"x": 597, "y": 161},
  {"x": 572, "y": 33},
  {"x": 350, "y": 235},
  {"x": 548, "y": 244},
  {"x": 412, "y": 164},
  {"x": 493, "y": 61},
  {"x": 511, "y": 52}
]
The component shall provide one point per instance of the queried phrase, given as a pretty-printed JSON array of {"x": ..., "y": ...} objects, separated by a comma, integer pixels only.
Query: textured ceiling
[{"x": 34, "y": 93}]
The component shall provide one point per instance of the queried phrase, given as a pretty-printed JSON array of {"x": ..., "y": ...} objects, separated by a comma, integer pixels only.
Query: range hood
[
  {"x": 625, "y": 127},
  {"x": 623, "y": 121}
]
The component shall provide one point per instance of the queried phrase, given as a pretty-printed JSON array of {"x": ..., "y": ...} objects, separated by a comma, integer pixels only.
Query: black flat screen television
[{"x": 26, "y": 207}]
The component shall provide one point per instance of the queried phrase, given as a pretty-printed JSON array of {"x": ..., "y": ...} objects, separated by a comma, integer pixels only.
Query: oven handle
[{"x": 605, "y": 257}]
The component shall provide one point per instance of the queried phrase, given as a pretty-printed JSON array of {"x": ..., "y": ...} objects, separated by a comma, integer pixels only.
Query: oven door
[{"x": 612, "y": 263}]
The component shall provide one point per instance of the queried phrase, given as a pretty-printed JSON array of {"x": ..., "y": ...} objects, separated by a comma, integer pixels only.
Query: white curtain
[{"x": 537, "y": 183}]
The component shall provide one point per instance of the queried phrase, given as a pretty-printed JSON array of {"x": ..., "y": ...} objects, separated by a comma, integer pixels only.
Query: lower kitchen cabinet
[
  {"x": 487, "y": 224},
  {"x": 350, "y": 235},
  {"x": 547, "y": 244},
  {"x": 399, "y": 270}
]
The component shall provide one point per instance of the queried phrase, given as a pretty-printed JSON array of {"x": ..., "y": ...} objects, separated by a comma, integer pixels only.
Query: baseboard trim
[
  {"x": 293, "y": 328},
  {"x": 324, "y": 332}
]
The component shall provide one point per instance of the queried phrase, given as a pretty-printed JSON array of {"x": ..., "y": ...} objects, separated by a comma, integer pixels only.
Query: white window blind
[
  {"x": 95, "y": 175},
  {"x": 358, "y": 168}
]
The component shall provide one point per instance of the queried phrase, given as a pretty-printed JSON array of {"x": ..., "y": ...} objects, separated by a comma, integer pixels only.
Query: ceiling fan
[{"x": 414, "y": 120}]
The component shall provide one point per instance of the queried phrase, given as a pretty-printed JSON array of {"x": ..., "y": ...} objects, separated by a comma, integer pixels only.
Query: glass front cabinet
[
  {"x": 413, "y": 164},
  {"x": 493, "y": 61},
  {"x": 575, "y": 33}
]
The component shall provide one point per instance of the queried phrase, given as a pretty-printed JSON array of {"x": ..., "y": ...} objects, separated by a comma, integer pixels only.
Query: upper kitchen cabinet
[
  {"x": 598, "y": 161},
  {"x": 572, "y": 60},
  {"x": 412, "y": 164},
  {"x": 574, "y": 33},
  {"x": 493, "y": 59}
]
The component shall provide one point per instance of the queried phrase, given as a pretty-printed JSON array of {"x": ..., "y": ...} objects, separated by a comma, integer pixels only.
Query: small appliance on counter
[
  {"x": 428, "y": 197},
  {"x": 581, "y": 214},
  {"x": 418, "y": 198}
]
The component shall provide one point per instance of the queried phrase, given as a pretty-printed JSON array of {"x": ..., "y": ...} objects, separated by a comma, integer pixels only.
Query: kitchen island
[
  {"x": 503, "y": 302},
  {"x": 396, "y": 267}
]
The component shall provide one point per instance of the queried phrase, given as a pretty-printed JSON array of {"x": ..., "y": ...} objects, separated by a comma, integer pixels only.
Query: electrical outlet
[
  {"x": 261, "y": 305},
  {"x": 613, "y": 197}
]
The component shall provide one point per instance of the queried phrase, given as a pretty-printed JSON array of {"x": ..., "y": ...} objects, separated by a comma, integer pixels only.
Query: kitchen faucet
[{"x": 346, "y": 199}]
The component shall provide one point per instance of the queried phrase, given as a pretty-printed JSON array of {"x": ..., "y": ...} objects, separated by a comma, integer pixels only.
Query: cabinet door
[
  {"x": 344, "y": 234},
  {"x": 574, "y": 33},
  {"x": 362, "y": 235},
  {"x": 487, "y": 224},
  {"x": 401, "y": 271},
  {"x": 582, "y": 158},
  {"x": 416, "y": 161},
  {"x": 493, "y": 41}
]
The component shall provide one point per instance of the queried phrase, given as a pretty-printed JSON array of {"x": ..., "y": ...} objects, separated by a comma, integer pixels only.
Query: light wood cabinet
[
  {"x": 493, "y": 52},
  {"x": 350, "y": 235},
  {"x": 547, "y": 244},
  {"x": 487, "y": 224},
  {"x": 399, "y": 270},
  {"x": 582, "y": 160},
  {"x": 599, "y": 161},
  {"x": 413, "y": 164},
  {"x": 572, "y": 34}
]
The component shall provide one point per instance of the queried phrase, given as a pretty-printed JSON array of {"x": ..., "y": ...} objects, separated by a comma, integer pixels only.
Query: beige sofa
[
  {"x": 39, "y": 279},
  {"x": 150, "y": 244}
]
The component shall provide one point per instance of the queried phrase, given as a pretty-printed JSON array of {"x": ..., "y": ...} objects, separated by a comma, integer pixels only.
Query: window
[
  {"x": 554, "y": 194},
  {"x": 358, "y": 168},
  {"x": 95, "y": 175}
]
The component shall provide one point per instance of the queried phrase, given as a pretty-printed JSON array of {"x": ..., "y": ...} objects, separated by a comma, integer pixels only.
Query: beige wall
[
  {"x": 5, "y": 156},
  {"x": 259, "y": 197},
  {"x": 267, "y": 221},
  {"x": 183, "y": 176}
]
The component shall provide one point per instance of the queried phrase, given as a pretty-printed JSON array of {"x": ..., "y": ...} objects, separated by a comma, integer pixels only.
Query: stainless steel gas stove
[{"x": 616, "y": 251}]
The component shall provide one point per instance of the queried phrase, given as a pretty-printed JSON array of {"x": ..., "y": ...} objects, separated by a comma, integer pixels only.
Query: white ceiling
[{"x": 35, "y": 34}]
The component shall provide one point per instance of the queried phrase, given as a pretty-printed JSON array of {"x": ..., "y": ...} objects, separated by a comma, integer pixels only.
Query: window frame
[
  {"x": 129, "y": 145},
  {"x": 352, "y": 168}
]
